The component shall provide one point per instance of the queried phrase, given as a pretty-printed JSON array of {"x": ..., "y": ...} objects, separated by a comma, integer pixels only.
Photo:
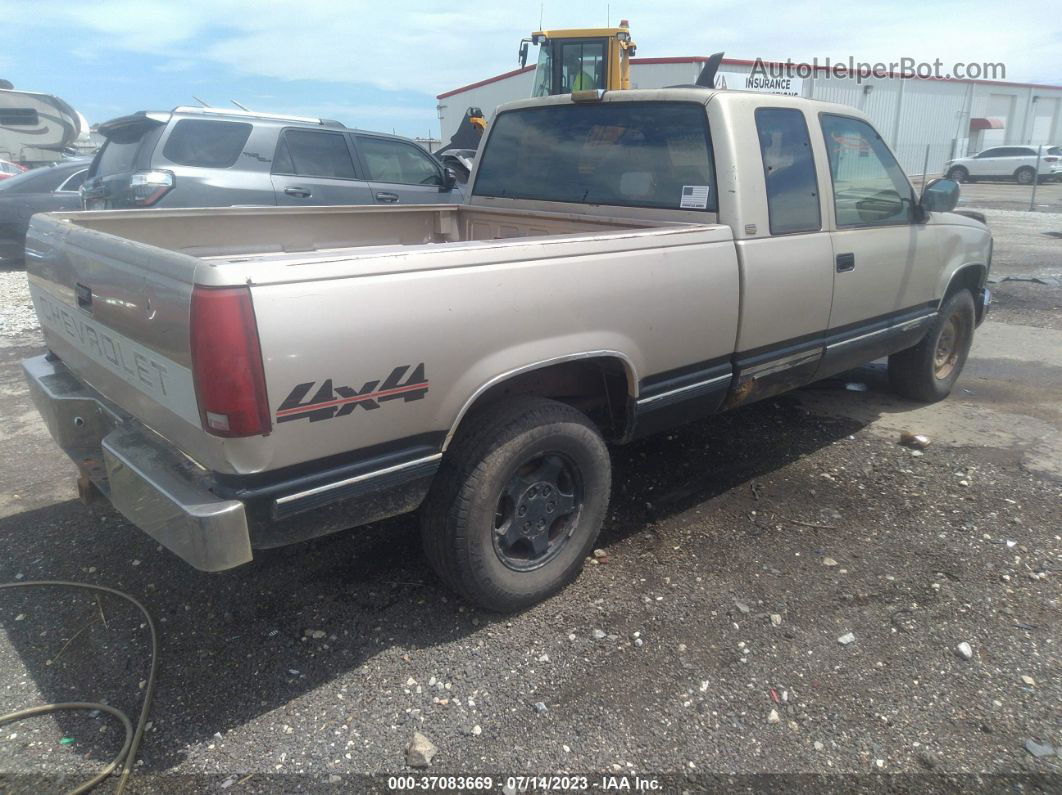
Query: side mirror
[
  {"x": 940, "y": 195},
  {"x": 449, "y": 179},
  {"x": 523, "y": 53}
]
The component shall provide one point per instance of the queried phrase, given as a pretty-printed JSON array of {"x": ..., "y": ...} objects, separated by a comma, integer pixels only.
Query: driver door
[
  {"x": 400, "y": 172},
  {"x": 885, "y": 261}
]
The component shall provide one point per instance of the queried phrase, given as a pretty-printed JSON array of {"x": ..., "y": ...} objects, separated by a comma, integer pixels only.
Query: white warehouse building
[{"x": 926, "y": 121}]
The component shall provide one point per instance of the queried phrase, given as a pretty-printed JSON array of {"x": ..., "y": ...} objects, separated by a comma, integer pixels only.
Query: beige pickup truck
[{"x": 235, "y": 379}]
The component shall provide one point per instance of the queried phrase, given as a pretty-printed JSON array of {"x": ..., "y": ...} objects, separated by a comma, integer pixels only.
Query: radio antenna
[{"x": 238, "y": 105}]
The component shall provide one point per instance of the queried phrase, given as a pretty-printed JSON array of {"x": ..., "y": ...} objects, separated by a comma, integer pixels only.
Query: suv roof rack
[{"x": 255, "y": 114}]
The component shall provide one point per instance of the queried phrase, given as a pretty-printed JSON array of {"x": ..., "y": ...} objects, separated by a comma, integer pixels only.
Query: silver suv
[{"x": 213, "y": 157}]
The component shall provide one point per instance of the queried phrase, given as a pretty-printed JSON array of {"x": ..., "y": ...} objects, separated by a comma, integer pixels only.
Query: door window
[
  {"x": 388, "y": 160},
  {"x": 788, "y": 170},
  {"x": 314, "y": 154},
  {"x": 74, "y": 182},
  {"x": 869, "y": 187}
]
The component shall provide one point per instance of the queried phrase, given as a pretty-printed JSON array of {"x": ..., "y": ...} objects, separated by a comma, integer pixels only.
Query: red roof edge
[{"x": 488, "y": 81}]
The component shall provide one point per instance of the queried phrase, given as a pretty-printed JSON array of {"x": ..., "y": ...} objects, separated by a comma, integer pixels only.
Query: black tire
[
  {"x": 927, "y": 371},
  {"x": 958, "y": 173},
  {"x": 470, "y": 514},
  {"x": 1025, "y": 175}
]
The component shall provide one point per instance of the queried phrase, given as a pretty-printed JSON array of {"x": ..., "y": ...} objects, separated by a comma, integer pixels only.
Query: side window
[
  {"x": 388, "y": 160},
  {"x": 73, "y": 183},
  {"x": 207, "y": 144},
  {"x": 869, "y": 187},
  {"x": 988, "y": 153},
  {"x": 788, "y": 170},
  {"x": 308, "y": 153}
]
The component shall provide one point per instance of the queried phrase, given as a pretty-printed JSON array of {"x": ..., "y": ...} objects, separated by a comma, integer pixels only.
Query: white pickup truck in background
[{"x": 244, "y": 378}]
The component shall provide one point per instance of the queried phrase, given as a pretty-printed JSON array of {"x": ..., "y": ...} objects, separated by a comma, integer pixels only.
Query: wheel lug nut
[
  {"x": 546, "y": 491},
  {"x": 523, "y": 510},
  {"x": 550, "y": 506}
]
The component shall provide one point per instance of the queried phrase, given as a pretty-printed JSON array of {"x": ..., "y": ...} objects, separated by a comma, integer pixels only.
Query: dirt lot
[{"x": 706, "y": 642}]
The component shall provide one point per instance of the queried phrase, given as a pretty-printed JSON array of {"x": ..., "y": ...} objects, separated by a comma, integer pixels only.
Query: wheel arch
[
  {"x": 968, "y": 276},
  {"x": 606, "y": 381}
]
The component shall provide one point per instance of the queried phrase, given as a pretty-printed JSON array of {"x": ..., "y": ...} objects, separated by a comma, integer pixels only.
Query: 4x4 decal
[{"x": 329, "y": 401}]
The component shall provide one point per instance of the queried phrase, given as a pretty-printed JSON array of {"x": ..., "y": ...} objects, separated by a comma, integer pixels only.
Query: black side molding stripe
[{"x": 680, "y": 377}]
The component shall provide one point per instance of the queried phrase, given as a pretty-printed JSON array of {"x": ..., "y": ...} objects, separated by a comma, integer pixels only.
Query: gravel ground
[
  {"x": 705, "y": 641},
  {"x": 771, "y": 511},
  {"x": 16, "y": 310}
]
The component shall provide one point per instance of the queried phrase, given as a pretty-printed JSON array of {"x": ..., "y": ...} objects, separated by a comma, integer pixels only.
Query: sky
[{"x": 379, "y": 66}]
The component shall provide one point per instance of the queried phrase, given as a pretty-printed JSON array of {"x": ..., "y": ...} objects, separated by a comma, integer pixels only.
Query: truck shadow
[{"x": 237, "y": 645}]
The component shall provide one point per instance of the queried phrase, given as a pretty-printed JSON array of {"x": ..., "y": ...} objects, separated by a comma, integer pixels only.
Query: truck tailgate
[{"x": 119, "y": 320}]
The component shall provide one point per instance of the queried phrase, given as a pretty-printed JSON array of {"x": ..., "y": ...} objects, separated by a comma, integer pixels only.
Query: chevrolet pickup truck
[{"x": 242, "y": 378}]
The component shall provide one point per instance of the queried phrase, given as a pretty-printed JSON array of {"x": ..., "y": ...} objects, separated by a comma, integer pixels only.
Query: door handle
[
  {"x": 845, "y": 262},
  {"x": 387, "y": 197},
  {"x": 302, "y": 193}
]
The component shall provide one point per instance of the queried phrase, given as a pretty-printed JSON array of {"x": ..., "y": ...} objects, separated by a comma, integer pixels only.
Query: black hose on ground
[{"x": 127, "y": 755}]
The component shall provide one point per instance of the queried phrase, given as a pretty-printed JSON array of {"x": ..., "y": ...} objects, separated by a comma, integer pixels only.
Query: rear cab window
[
  {"x": 788, "y": 171},
  {"x": 629, "y": 154},
  {"x": 206, "y": 143}
]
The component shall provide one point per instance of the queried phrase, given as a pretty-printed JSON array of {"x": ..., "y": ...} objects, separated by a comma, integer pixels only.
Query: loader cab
[{"x": 580, "y": 60}]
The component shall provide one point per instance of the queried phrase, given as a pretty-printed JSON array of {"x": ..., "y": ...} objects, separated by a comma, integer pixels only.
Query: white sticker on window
[{"x": 694, "y": 197}]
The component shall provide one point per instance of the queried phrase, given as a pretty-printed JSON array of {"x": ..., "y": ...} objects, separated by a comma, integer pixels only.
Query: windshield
[
  {"x": 634, "y": 154},
  {"x": 543, "y": 71}
]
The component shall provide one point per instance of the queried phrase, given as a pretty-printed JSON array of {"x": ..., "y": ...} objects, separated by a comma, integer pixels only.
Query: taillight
[
  {"x": 147, "y": 187},
  {"x": 1050, "y": 159},
  {"x": 227, "y": 363}
]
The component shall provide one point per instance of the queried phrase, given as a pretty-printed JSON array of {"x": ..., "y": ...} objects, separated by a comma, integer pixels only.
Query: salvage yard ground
[{"x": 705, "y": 640}]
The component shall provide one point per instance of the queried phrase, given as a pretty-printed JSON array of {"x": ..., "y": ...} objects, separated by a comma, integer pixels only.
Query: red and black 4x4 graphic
[{"x": 330, "y": 401}]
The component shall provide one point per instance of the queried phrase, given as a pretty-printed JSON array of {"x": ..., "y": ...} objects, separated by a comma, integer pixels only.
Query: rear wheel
[
  {"x": 518, "y": 503},
  {"x": 958, "y": 173},
  {"x": 927, "y": 371},
  {"x": 1024, "y": 175}
]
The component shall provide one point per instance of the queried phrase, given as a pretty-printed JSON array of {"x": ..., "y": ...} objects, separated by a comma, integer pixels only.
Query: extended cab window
[
  {"x": 387, "y": 160},
  {"x": 632, "y": 154},
  {"x": 869, "y": 187},
  {"x": 314, "y": 154},
  {"x": 788, "y": 170},
  {"x": 207, "y": 144}
]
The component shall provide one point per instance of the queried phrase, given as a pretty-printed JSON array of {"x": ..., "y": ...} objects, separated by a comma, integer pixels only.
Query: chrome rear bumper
[{"x": 152, "y": 484}]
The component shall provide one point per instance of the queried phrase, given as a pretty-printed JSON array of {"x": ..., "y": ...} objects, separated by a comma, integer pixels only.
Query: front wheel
[
  {"x": 927, "y": 371},
  {"x": 958, "y": 174},
  {"x": 518, "y": 503}
]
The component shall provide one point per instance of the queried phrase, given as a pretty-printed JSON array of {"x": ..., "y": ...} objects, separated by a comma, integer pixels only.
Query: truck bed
[
  {"x": 312, "y": 233},
  {"x": 340, "y": 292}
]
